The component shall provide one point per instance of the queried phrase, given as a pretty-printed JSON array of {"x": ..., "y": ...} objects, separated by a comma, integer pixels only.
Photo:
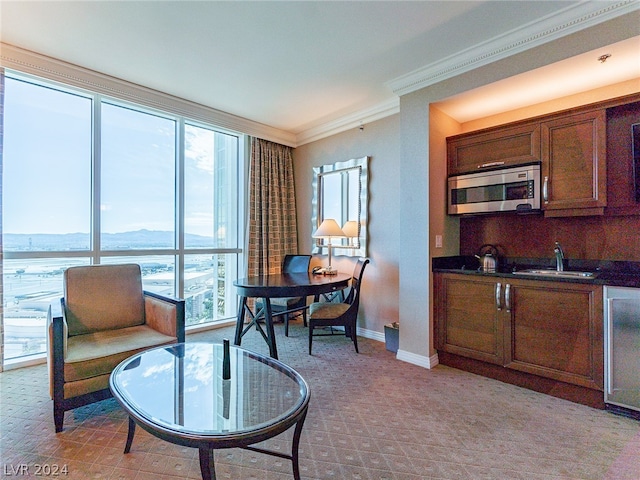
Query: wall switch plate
[{"x": 438, "y": 241}]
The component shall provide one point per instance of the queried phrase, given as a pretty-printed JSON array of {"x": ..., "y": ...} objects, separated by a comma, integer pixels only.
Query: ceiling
[{"x": 297, "y": 66}]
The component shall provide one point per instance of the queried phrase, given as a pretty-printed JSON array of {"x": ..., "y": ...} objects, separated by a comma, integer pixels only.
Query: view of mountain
[{"x": 139, "y": 239}]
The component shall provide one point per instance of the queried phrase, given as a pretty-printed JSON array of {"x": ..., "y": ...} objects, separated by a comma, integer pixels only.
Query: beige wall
[
  {"x": 408, "y": 175},
  {"x": 380, "y": 141}
]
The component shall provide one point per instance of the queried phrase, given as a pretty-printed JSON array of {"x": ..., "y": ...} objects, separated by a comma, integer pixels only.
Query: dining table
[{"x": 278, "y": 285}]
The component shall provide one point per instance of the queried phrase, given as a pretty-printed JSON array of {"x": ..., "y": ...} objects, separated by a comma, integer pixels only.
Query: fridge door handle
[{"x": 609, "y": 347}]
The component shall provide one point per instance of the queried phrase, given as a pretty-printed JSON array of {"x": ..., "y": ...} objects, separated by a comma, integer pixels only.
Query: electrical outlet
[{"x": 438, "y": 241}]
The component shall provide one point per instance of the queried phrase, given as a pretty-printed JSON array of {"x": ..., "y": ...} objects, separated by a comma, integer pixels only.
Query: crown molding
[
  {"x": 32, "y": 63},
  {"x": 570, "y": 20},
  {"x": 353, "y": 120}
]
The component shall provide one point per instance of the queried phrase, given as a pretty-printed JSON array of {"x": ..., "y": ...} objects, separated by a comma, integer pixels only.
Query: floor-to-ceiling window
[{"x": 89, "y": 179}]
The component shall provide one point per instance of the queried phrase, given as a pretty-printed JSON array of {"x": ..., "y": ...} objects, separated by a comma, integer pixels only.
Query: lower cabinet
[
  {"x": 546, "y": 328},
  {"x": 469, "y": 321}
]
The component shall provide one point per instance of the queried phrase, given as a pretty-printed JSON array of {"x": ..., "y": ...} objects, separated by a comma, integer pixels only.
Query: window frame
[{"x": 95, "y": 254}]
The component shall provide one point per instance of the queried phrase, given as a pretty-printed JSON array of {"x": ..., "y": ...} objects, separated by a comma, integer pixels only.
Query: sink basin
[{"x": 555, "y": 273}]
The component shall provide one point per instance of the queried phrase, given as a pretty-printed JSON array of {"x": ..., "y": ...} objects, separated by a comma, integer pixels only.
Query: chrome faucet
[{"x": 559, "y": 257}]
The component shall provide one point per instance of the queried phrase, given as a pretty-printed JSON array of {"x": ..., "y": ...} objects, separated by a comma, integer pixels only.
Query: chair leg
[
  {"x": 286, "y": 324},
  {"x": 353, "y": 336},
  {"x": 58, "y": 418},
  {"x": 310, "y": 337},
  {"x": 304, "y": 317}
]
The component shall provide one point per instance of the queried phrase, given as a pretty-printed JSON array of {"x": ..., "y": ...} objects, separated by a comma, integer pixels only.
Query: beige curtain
[{"x": 272, "y": 207}]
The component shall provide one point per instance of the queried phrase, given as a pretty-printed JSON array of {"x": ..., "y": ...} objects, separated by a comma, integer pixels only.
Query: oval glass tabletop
[{"x": 180, "y": 387}]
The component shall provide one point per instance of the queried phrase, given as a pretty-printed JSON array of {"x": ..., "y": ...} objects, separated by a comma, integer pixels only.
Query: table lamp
[
  {"x": 352, "y": 232},
  {"x": 329, "y": 228}
]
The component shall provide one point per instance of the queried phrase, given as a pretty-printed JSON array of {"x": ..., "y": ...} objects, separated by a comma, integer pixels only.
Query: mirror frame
[{"x": 319, "y": 173}]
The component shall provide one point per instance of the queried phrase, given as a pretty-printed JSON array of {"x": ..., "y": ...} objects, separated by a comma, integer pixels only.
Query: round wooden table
[{"x": 280, "y": 285}]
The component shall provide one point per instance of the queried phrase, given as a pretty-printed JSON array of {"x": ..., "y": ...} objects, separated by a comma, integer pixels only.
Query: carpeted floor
[{"x": 371, "y": 417}]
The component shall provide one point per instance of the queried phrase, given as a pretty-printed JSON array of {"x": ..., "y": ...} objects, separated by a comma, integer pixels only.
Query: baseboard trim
[
  {"x": 403, "y": 355},
  {"x": 555, "y": 388},
  {"x": 366, "y": 333},
  {"x": 420, "y": 360}
]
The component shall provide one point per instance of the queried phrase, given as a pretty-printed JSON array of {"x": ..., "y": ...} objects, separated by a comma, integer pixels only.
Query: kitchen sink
[{"x": 556, "y": 273}]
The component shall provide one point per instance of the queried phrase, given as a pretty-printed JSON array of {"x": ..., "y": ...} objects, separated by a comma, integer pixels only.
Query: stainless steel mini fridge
[{"x": 622, "y": 347}]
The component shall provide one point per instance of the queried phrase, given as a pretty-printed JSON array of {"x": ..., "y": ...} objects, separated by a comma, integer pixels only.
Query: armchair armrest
[
  {"x": 165, "y": 314},
  {"x": 57, "y": 334}
]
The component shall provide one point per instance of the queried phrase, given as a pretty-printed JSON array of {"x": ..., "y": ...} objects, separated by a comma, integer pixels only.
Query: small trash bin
[{"x": 391, "y": 333}]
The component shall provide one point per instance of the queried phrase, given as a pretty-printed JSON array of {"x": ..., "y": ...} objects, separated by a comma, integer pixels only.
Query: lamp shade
[
  {"x": 328, "y": 228},
  {"x": 350, "y": 228}
]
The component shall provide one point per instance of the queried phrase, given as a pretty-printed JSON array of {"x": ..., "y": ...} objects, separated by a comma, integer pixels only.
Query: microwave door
[{"x": 494, "y": 192}]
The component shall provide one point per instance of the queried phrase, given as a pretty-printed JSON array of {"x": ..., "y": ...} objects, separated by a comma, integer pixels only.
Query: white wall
[{"x": 380, "y": 141}]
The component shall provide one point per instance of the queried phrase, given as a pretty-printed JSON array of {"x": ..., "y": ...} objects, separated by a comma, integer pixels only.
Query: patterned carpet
[{"x": 371, "y": 417}]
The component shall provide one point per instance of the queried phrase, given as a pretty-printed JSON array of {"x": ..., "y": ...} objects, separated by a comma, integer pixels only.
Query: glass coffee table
[{"x": 178, "y": 394}]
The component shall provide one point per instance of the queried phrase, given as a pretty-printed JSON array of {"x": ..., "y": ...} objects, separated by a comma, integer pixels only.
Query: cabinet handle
[
  {"x": 491, "y": 164},
  {"x": 507, "y": 296},
  {"x": 498, "y": 299},
  {"x": 545, "y": 190}
]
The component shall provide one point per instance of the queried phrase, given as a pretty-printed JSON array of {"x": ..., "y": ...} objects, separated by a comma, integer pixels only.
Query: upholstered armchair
[{"x": 103, "y": 318}]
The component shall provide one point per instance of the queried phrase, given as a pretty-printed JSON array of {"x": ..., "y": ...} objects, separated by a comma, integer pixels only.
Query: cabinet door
[
  {"x": 555, "y": 330},
  {"x": 574, "y": 164},
  {"x": 468, "y": 321},
  {"x": 498, "y": 147}
]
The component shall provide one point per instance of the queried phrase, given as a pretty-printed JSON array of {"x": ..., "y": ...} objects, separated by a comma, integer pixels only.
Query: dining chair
[
  {"x": 287, "y": 306},
  {"x": 343, "y": 314}
]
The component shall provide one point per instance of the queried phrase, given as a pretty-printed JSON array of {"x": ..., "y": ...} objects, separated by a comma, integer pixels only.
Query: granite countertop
[{"x": 613, "y": 273}]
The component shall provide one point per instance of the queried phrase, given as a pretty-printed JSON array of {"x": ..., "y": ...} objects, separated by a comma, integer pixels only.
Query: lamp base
[{"x": 329, "y": 271}]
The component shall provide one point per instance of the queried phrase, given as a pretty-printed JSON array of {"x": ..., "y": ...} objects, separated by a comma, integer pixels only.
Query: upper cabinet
[
  {"x": 493, "y": 148},
  {"x": 582, "y": 151},
  {"x": 574, "y": 164},
  {"x": 623, "y": 172}
]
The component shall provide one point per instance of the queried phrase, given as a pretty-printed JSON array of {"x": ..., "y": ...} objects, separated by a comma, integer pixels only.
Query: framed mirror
[{"x": 340, "y": 191}]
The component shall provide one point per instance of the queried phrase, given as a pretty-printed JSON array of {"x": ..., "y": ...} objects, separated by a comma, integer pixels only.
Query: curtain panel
[{"x": 273, "y": 231}]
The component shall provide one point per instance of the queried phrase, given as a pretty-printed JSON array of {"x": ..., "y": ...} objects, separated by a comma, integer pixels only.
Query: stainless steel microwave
[{"x": 502, "y": 190}]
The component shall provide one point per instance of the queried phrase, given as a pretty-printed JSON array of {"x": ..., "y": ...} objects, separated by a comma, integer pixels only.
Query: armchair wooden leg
[
  {"x": 310, "y": 337},
  {"x": 58, "y": 418}
]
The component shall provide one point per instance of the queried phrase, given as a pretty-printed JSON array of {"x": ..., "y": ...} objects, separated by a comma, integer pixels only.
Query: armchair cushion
[
  {"x": 99, "y": 353},
  {"x": 100, "y": 298}
]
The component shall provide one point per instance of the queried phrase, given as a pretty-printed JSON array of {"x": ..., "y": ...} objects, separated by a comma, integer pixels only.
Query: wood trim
[{"x": 566, "y": 391}]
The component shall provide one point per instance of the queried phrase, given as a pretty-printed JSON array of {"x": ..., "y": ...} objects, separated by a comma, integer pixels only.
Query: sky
[{"x": 47, "y": 167}]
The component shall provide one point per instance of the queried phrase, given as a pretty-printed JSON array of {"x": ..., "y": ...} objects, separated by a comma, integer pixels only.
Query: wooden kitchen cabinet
[
  {"x": 469, "y": 323},
  {"x": 555, "y": 330},
  {"x": 505, "y": 146},
  {"x": 574, "y": 167},
  {"x": 545, "y": 328}
]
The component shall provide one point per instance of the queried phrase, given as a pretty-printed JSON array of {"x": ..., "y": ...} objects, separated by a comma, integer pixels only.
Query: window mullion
[
  {"x": 96, "y": 179},
  {"x": 180, "y": 189}
]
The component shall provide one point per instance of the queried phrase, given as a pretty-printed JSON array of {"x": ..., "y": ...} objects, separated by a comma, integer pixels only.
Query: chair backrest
[
  {"x": 356, "y": 280},
  {"x": 296, "y": 263},
  {"x": 103, "y": 297}
]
